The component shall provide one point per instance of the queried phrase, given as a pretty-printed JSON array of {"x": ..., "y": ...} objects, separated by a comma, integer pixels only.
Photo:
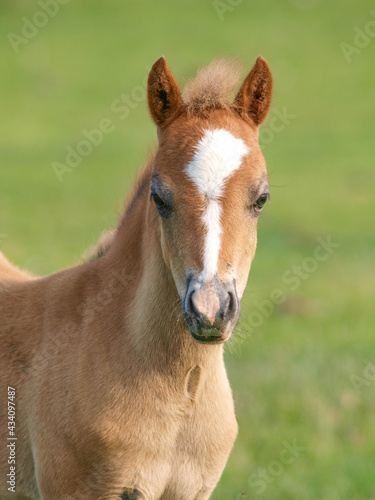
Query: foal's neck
[{"x": 153, "y": 315}]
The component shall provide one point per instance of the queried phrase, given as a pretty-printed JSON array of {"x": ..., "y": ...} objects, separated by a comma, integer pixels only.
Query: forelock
[{"x": 212, "y": 87}]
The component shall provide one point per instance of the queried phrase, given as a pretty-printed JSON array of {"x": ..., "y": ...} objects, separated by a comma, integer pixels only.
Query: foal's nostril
[
  {"x": 232, "y": 303},
  {"x": 228, "y": 308},
  {"x": 191, "y": 307}
]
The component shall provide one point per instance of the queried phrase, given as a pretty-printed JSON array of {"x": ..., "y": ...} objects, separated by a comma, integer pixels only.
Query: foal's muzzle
[{"x": 210, "y": 310}]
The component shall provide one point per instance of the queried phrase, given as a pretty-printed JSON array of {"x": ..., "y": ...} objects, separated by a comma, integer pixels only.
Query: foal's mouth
[
  {"x": 206, "y": 333},
  {"x": 210, "y": 339}
]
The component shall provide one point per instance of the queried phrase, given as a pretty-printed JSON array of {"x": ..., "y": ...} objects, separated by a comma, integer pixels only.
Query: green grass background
[{"x": 292, "y": 376}]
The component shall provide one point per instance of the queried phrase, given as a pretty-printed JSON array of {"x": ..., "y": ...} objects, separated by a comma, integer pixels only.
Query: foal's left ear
[
  {"x": 164, "y": 96},
  {"x": 254, "y": 97}
]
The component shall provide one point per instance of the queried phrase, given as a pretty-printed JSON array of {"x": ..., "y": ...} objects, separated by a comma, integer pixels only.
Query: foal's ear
[
  {"x": 164, "y": 97},
  {"x": 254, "y": 97}
]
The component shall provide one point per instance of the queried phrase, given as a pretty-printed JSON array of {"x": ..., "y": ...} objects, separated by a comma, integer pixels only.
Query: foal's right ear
[{"x": 164, "y": 97}]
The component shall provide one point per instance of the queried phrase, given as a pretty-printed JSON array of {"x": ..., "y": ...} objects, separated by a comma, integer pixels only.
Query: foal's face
[{"x": 209, "y": 186}]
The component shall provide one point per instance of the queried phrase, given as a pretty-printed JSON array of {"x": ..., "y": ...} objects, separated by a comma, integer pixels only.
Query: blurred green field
[{"x": 302, "y": 371}]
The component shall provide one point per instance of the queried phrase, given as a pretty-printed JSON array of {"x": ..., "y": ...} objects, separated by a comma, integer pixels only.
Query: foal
[{"x": 117, "y": 364}]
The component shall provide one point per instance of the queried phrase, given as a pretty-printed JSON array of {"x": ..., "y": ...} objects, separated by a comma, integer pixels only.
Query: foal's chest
[{"x": 182, "y": 453}]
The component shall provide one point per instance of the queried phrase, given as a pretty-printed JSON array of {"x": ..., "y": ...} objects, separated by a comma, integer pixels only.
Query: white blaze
[{"x": 217, "y": 155}]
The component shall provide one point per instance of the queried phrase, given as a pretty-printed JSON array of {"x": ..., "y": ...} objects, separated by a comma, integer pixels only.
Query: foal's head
[{"x": 209, "y": 185}]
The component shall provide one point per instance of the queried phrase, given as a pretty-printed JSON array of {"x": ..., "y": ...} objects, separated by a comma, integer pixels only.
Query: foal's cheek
[
  {"x": 169, "y": 250},
  {"x": 166, "y": 246},
  {"x": 242, "y": 279},
  {"x": 249, "y": 247}
]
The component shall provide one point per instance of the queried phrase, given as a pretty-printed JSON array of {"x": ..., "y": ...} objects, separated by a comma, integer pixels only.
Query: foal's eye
[
  {"x": 259, "y": 204},
  {"x": 157, "y": 200},
  {"x": 161, "y": 206}
]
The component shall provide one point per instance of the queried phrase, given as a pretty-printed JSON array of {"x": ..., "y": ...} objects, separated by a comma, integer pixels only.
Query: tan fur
[{"x": 113, "y": 395}]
